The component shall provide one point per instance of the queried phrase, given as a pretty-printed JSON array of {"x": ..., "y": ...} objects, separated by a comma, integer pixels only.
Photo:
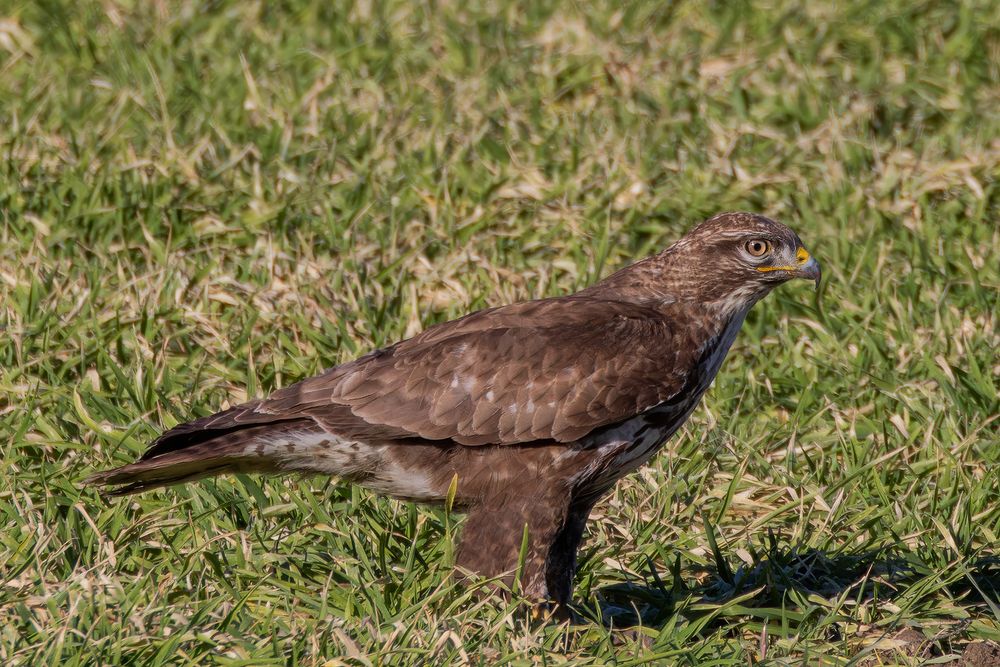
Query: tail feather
[{"x": 244, "y": 449}]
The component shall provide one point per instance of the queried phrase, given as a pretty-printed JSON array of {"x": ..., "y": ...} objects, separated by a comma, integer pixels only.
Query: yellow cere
[{"x": 801, "y": 256}]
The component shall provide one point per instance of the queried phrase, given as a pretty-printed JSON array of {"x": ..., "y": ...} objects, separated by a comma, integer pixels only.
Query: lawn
[{"x": 201, "y": 202}]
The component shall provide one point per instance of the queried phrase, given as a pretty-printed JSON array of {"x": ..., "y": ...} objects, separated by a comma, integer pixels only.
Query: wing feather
[
  {"x": 550, "y": 370},
  {"x": 545, "y": 370}
]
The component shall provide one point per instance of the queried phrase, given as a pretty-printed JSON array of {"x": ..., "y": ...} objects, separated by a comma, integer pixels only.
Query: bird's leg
[
  {"x": 560, "y": 565},
  {"x": 494, "y": 532}
]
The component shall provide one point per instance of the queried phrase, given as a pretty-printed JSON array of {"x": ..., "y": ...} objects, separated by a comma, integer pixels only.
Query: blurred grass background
[{"x": 203, "y": 201}]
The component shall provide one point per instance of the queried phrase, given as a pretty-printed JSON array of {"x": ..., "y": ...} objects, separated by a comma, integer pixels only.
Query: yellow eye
[{"x": 758, "y": 247}]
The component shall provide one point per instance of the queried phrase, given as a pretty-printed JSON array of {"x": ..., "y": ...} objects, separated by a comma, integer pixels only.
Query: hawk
[{"x": 524, "y": 414}]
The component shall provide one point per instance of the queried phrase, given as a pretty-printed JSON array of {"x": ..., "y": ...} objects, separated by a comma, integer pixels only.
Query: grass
[{"x": 203, "y": 202}]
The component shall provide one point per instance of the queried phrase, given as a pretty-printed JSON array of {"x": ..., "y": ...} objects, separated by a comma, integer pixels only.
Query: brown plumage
[{"x": 535, "y": 408}]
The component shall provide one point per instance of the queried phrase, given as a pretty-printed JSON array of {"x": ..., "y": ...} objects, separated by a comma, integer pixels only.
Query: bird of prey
[{"x": 525, "y": 414}]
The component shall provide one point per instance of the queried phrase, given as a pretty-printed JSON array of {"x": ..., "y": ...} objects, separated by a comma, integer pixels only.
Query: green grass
[{"x": 202, "y": 202}]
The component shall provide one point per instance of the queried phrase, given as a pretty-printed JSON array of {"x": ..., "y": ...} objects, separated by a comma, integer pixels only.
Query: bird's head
[{"x": 735, "y": 259}]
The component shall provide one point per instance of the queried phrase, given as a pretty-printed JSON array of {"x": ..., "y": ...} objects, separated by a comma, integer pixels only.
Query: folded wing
[
  {"x": 550, "y": 370},
  {"x": 554, "y": 369}
]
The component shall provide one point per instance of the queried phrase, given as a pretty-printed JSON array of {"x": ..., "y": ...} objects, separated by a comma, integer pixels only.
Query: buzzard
[{"x": 524, "y": 414}]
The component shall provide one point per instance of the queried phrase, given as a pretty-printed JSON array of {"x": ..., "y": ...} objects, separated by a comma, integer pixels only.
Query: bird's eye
[{"x": 758, "y": 247}]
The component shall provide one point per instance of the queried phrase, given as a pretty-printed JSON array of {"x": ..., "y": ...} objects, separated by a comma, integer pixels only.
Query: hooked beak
[
  {"x": 810, "y": 271},
  {"x": 805, "y": 266}
]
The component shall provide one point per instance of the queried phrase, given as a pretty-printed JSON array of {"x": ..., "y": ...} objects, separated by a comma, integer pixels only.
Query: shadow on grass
[{"x": 776, "y": 586}]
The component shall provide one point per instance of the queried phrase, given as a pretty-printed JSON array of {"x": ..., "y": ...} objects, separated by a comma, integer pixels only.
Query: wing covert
[{"x": 544, "y": 370}]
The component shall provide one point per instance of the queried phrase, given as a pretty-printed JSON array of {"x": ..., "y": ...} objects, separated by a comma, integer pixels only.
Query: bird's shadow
[{"x": 773, "y": 582}]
